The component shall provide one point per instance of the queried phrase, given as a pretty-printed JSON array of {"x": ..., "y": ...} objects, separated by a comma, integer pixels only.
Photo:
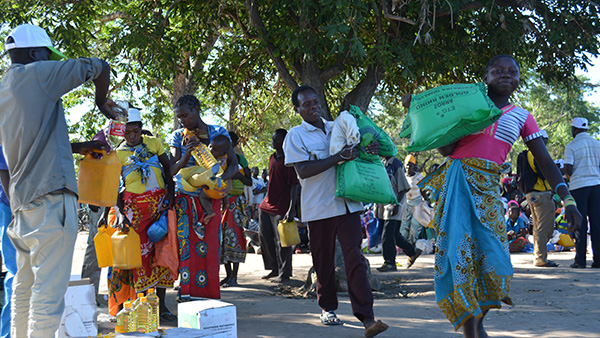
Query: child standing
[
  {"x": 472, "y": 263},
  {"x": 43, "y": 187}
]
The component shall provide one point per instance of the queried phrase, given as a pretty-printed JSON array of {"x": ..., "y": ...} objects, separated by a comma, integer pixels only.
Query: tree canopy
[{"x": 242, "y": 58}]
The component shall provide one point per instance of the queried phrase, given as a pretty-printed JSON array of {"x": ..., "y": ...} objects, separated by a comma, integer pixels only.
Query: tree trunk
[
  {"x": 362, "y": 94},
  {"x": 311, "y": 76}
]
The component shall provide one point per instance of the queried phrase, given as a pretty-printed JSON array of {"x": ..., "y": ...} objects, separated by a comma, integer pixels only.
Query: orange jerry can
[
  {"x": 103, "y": 245},
  {"x": 126, "y": 250},
  {"x": 98, "y": 182}
]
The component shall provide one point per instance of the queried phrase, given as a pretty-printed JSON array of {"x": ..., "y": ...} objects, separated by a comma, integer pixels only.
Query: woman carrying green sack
[{"x": 472, "y": 262}]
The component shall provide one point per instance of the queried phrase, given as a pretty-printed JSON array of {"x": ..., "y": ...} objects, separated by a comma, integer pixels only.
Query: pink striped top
[{"x": 494, "y": 142}]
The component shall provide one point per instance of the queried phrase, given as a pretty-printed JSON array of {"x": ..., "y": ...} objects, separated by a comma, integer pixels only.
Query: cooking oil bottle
[
  {"x": 143, "y": 316},
  {"x": 154, "y": 302},
  {"x": 126, "y": 319}
]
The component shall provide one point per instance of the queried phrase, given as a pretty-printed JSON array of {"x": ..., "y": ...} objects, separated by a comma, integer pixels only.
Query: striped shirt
[
  {"x": 494, "y": 142},
  {"x": 584, "y": 154}
]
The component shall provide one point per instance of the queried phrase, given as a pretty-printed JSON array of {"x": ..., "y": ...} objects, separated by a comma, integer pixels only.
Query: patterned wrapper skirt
[
  {"x": 235, "y": 219},
  {"x": 198, "y": 249},
  {"x": 141, "y": 209},
  {"x": 472, "y": 262}
]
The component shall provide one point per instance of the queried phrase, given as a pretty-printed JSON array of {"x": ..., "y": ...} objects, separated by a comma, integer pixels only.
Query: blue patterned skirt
[{"x": 472, "y": 262}]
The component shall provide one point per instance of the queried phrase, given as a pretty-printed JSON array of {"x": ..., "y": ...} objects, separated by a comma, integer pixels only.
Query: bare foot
[
  {"x": 231, "y": 283},
  {"x": 208, "y": 217},
  {"x": 374, "y": 328},
  {"x": 225, "y": 281}
]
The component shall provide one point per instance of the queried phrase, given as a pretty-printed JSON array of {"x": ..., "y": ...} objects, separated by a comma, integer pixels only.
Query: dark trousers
[
  {"x": 322, "y": 245},
  {"x": 274, "y": 256},
  {"x": 588, "y": 203},
  {"x": 391, "y": 238}
]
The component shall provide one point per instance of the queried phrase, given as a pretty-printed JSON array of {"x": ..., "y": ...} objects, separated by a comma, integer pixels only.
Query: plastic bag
[
  {"x": 158, "y": 230},
  {"x": 345, "y": 132},
  {"x": 167, "y": 250},
  {"x": 423, "y": 213},
  {"x": 370, "y": 132},
  {"x": 443, "y": 115},
  {"x": 364, "y": 181}
]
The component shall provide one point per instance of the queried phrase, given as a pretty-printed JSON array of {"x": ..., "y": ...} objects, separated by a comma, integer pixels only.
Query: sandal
[
  {"x": 168, "y": 317},
  {"x": 330, "y": 318}
]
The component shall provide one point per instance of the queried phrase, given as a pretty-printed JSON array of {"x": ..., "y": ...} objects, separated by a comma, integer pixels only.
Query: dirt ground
[{"x": 549, "y": 302}]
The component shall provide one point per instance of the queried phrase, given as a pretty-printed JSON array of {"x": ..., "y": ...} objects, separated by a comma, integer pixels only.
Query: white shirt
[
  {"x": 257, "y": 183},
  {"x": 414, "y": 191},
  {"x": 308, "y": 143},
  {"x": 584, "y": 154}
]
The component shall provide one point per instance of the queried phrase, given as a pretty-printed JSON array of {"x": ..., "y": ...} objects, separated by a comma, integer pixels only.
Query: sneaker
[
  {"x": 387, "y": 267},
  {"x": 412, "y": 259},
  {"x": 595, "y": 265}
]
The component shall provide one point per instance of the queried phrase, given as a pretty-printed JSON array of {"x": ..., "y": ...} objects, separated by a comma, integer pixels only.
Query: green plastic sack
[
  {"x": 370, "y": 132},
  {"x": 443, "y": 115},
  {"x": 364, "y": 181}
]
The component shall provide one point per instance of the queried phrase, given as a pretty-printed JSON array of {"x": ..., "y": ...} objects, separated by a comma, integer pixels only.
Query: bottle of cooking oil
[
  {"x": 143, "y": 314},
  {"x": 154, "y": 302},
  {"x": 125, "y": 319},
  {"x": 136, "y": 301}
]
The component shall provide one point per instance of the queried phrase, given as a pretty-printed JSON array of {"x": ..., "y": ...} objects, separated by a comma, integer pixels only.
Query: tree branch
[
  {"x": 256, "y": 21},
  {"x": 113, "y": 16}
]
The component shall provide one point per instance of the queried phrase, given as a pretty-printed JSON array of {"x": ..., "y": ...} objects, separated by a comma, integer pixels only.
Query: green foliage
[{"x": 243, "y": 61}]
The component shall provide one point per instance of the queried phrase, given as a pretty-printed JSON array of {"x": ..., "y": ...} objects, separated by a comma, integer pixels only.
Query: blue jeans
[{"x": 9, "y": 256}]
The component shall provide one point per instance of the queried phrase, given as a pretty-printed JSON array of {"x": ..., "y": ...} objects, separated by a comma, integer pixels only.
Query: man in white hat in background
[
  {"x": 582, "y": 166},
  {"x": 43, "y": 186}
]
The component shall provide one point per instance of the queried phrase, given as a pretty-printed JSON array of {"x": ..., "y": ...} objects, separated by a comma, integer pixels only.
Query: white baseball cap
[
  {"x": 27, "y": 35},
  {"x": 134, "y": 115},
  {"x": 581, "y": 123}
]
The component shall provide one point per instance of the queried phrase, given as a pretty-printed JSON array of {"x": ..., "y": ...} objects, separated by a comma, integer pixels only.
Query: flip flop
[
  {"x": 330, "y": 318},
  {"x": 168, "y": 317}
]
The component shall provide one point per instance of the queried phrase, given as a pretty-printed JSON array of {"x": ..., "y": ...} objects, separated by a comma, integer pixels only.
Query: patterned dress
[
  {"x": 472, "y": 262},
  {"x": 199, "y": 245}
]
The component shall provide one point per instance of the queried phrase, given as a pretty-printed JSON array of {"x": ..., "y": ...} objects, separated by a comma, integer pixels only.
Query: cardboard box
[
  {"x": 209, "y": 315},
  {"x": 79, "y": 317}
]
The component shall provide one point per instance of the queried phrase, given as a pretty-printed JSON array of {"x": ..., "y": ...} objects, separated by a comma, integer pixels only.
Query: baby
[{"x": 218, "y": 148}]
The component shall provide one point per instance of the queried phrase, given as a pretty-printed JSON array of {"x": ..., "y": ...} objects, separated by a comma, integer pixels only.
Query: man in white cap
[
  {"x": 582, "y": 166},
  {"x": 541, "y": 203},
  {"x": 43, "y": 187}
]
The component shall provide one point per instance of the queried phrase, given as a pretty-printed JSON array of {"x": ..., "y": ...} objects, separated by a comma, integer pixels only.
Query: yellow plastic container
[
  {"x": 98, "y": 182},
  {"x": 126, "y": 250},
  {"x": 103, "y": 245},
  {"x": 219, "y": 192},
  {"x": 566, "y": 241},
  {"x": 288, "y": 233}
]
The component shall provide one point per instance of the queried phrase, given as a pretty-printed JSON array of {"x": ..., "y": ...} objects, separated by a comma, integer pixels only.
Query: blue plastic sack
[{"x": 158, "y": 230}]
